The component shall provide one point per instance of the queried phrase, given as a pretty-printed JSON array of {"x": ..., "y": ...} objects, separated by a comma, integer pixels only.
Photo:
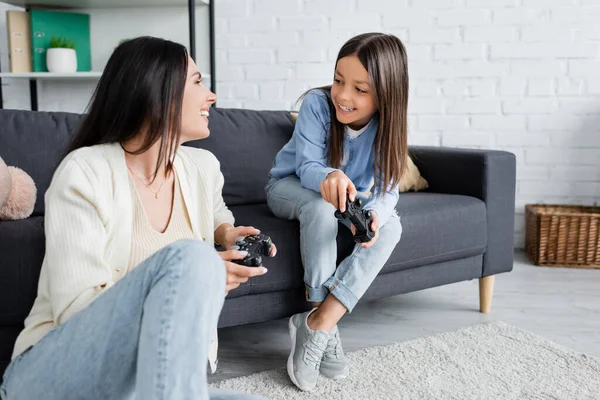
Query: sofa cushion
[
  {"x": 435, "y": 228},
  {"x": 22, "y": 246},
  {"x": 8, "y": 336},
  {"x": 36, "y": 142},
  {"x": 246, "y": 142}
]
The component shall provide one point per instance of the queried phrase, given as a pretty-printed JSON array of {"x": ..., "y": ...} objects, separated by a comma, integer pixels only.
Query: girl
[
  {"x": 348, "y": 135},
  {"x": 131, "y": 286}
]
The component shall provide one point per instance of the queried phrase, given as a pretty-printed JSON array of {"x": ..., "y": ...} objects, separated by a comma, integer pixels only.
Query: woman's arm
[
  {"x": 223, "y": 218},
  {"x": 221, "y": 234},
  {"x": 75, "y": 242},
  {"x": 225, "y": 233}
]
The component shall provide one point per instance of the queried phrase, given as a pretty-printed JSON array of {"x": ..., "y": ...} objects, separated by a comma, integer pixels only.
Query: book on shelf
[
  {"x": 18, "y": 28},
  {"x": 48, "y": 24}
]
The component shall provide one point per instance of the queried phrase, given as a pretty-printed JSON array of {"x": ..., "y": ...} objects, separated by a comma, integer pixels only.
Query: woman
[{"x": 131, "y": 286}]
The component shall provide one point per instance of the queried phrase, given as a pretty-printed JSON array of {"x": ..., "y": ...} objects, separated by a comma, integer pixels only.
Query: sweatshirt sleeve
[
  {"x": 311, "y": 131},
  {"x": 222, "y": 214},
  {"x": 384, "y": 204},
  {"x": 75, "y": 240}
]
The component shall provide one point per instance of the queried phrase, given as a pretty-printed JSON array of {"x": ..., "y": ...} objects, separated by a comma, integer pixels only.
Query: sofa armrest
[{"x": 489, "y": 175}]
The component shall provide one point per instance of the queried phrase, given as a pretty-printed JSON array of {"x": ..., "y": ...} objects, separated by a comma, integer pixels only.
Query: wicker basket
[{"x": 563, "y": 235}]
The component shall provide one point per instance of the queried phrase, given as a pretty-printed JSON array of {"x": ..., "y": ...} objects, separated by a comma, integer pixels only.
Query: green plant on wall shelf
[
  {"x": 61, "y": 56},
  {"x": 61, "y": 42}
]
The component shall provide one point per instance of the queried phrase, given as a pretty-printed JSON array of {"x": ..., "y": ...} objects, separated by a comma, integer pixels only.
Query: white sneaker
[
  {"x": 335, "y": 363},
  {"x": 307, "y": 351}
]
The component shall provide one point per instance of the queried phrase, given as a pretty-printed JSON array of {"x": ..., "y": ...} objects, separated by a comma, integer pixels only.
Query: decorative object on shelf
[
  {"x": 17, "y": 193},
  {"x": 18, "y": 28},
  {"x": 61, "y": 56},
  {"x": 563, "y": 235},
  {"x": 46, "y": 25},
  {"x": 84, "y": 59}
]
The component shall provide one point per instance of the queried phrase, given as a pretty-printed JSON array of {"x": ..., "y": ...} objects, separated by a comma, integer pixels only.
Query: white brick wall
[{"x": 517, "y": 75}]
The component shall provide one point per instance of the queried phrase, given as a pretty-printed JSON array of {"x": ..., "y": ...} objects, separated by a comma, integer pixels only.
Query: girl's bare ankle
[{"x": 316, "y": 322}]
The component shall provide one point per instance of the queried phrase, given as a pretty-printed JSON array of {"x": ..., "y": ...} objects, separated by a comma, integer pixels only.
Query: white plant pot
[{"x": 61, "y": 60}]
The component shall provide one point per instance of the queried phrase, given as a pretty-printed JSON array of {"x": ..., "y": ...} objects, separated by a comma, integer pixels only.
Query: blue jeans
[
  {"x": 147, "y": 337},
  {"x": 318, "y": 231}
]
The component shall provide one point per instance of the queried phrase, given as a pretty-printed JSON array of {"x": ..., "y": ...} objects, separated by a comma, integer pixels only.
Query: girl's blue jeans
[{"x": 349, "y": 281}]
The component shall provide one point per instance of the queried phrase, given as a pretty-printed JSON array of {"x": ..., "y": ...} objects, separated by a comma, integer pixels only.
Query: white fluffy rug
[{"x": 486, "y": 361}]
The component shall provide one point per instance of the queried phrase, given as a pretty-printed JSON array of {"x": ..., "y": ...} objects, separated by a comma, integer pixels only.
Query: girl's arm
[
  {"x": 75, "y": 242},
  {"x": 311, "y": 131},
  {"x": 384, "y": 204}
]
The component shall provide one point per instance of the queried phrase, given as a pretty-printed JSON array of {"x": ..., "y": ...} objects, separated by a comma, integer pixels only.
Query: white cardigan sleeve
[
  {"x": 221, "y": 213},
  {"x": 75, "y": 241}
]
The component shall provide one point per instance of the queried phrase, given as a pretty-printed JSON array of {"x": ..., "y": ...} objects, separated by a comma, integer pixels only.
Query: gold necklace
[{"x": 147, "y": 185}]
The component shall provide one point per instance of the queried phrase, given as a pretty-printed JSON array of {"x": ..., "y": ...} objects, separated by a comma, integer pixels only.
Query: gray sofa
[{"x": 461, "y": 228}]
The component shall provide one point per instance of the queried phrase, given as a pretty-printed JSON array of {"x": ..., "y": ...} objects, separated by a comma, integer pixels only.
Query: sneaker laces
[
  {"x": 334, "y": 347},
  {"x": 312, "y": 352}
]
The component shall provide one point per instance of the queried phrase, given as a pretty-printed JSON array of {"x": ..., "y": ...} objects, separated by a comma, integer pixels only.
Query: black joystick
[
  {"x": 256, "y": 246},
  {"x": 361, "y": 219}
]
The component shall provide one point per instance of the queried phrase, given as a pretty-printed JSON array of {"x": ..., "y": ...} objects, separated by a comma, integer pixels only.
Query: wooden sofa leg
[{"x": 486, "y": 291}]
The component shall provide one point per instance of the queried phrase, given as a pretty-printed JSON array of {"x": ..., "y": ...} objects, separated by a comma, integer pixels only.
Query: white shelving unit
[
  {"x": 106, "y": 17},
  {"x": 102, "y": 3},
  {"x": 50, "y": 75}
]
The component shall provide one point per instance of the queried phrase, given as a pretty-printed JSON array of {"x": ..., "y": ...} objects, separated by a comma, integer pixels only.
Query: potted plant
[{"x": 61, "y": 56}]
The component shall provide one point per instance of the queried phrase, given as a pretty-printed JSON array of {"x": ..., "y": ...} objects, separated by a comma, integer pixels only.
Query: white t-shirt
[{"x": 351, "y": 134}]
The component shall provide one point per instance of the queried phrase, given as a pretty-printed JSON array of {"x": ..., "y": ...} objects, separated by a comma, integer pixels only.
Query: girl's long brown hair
[{"x": 384, "y": 57}]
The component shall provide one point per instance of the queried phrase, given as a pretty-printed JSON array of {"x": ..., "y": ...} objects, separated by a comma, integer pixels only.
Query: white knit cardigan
[{"x": 88, "y": 223}]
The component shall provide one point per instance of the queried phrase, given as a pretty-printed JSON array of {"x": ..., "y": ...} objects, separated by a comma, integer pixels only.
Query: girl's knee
[
  {"x": 392, "y": 229},
  {"x": 319, "y": 208}
]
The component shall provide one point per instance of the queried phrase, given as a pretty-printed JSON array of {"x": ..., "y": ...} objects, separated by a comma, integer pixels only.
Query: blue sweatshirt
[{"x": 305, "y": 155}]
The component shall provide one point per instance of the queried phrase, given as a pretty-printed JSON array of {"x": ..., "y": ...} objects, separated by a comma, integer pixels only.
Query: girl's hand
[
  {"x": 335, "y": 187},
  {"x": 374, "y": 228},
  {"x": 238, "y": 274}
]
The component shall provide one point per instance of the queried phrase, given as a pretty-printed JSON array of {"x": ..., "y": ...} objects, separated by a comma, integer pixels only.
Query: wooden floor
[{"x": 560, "y": 304}]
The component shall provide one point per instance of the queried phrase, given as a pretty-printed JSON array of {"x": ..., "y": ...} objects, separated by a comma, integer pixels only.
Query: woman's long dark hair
[
  {"x": 140, "y": 91},
  {"x": 384, "y": 57}
]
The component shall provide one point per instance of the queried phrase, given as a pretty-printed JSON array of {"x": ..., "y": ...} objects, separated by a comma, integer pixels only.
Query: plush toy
[{"x": 17, "y": 193}]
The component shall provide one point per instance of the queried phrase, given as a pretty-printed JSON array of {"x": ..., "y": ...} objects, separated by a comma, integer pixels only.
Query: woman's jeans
[
  {"x": 318, "y": 231},
  {"x": 147, "y": 337}
]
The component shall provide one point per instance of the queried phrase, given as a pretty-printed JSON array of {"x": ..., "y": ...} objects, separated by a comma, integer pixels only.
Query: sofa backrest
[
  {"x": 36, "y": 142},
  {"x": 244, "y": 141}
]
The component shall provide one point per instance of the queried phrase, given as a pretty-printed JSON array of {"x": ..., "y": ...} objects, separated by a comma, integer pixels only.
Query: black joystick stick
[
  {"x": 256, "y": 246},
  {"x": 361, "y": 219}
]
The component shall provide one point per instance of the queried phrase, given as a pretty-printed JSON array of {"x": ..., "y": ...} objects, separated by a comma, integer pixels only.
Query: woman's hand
[
  {"x": 231, "y": 234},
  {"x": 374, "y": 228},
  {"x": 238, "y": 274},
  {"x": 335, "y": 187}
]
